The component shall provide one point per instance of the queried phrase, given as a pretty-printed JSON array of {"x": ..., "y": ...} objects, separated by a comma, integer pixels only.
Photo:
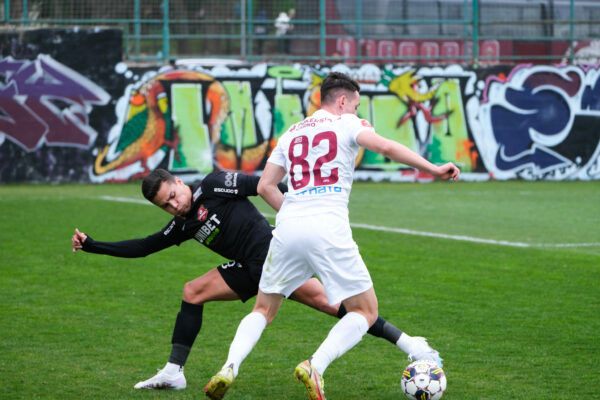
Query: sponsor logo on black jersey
[
  {"x": 231, "y": 264},
  {"x": 208, "y": 231},
  {"x": 231, "y": 179},
  {"x": 202, "y": 213},
  {"x": 225, "y": 190},
  {"x": 170, "y": 228}
]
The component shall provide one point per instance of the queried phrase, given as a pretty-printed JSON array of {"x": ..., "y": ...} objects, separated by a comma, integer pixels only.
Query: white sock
[
  {"x": 405, "y": 343},
  {"x": 172, "y": 369},
  {"x": 343, "y": 336},
  {"x": 248, "y": 333}
]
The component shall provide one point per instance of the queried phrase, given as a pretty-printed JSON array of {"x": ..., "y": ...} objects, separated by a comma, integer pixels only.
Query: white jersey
[{"x": 319, "y": 155}]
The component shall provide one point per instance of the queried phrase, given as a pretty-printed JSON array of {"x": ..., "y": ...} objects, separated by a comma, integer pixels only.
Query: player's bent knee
[
  {"x": 269, "y": 316},
  {"x": 192, "y": 292},
  {"x": 371, "y": 318},
  {"x": 369, "y": 314}
]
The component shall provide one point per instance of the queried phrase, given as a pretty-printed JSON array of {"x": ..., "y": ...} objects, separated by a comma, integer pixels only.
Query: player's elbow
[{"x": 262, "y": 188}]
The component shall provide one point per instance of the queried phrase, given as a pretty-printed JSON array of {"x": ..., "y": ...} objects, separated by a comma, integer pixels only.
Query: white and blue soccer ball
[{"x": 423, "y": 380}]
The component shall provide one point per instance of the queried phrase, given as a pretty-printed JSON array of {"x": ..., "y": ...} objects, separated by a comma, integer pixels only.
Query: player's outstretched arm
[
  {"x": 267, "y": 186},
  {"x": 402, "y": 154},
  {"x": 77, "y": 240},
  {"x": 128, "y": 248}
]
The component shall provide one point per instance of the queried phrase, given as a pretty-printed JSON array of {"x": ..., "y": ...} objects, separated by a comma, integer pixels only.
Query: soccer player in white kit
[{"x": 313, "y": 234}]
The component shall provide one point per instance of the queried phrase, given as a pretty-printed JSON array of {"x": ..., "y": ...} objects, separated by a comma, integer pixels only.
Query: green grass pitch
[{"x": 510, "y": 296}]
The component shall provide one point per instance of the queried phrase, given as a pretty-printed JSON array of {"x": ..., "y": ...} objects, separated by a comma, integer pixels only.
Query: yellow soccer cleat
[
  {"x": 312, "y": 380},
  {"x": 218, "y": 385}
]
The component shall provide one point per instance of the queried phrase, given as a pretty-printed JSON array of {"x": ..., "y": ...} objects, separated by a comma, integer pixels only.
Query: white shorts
[{"x": 322, "y": 245}]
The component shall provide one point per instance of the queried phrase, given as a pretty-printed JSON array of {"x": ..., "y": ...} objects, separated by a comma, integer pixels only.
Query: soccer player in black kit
[{"x": 217, "y": 213}]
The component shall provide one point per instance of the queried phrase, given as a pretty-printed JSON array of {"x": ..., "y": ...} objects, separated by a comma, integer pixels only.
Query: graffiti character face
[
  {"x": 174, "y": 197},
  {"x": 348, "y": 104}
]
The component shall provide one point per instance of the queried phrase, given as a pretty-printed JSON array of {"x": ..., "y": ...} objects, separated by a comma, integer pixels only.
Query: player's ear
[{"x": 178, "y": 181}]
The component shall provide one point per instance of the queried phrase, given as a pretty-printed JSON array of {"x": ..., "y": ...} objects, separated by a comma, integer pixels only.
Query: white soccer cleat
[
  {"x": 164, "y": 380},
  {"x": 420, "y": 350}
]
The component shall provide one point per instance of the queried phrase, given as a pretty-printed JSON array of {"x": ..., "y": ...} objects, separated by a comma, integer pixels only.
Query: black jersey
[{"x": 221, "y": 218}]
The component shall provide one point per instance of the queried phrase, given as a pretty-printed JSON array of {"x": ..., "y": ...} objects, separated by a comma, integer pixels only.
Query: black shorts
[{"x": 242, "y": 279}]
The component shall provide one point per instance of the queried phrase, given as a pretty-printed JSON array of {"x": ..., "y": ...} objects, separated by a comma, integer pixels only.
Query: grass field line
[
  {"x": 469, "y": 238},
  {"x": 404, "y": 231}
]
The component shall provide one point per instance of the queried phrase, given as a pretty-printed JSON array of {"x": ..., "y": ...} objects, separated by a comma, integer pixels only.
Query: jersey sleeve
[
  {"x": 230, "y": 184},
  {"x": 233, "y": 184},
  {"x": 354, "y": 125},
  {"x": 278, "y": 156},
  {"x": 134, "y": 248}
]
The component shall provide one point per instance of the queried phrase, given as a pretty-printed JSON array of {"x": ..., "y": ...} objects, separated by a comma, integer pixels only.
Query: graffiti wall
[
  {"x": 539, "y": 123},
  {"x": 57, "y": 91},
  {"x": 521, "y": 122},
  {"x": 62, "y": 123}
]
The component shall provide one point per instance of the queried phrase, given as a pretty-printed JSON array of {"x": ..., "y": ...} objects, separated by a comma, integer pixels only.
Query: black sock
[
  {"x": 381, "y": 328},
  {"x": 179, "y": 354},
  {"x": 187, "y": 326}
]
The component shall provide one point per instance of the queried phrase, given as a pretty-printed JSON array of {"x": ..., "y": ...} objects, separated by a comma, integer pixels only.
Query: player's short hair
[
  {"x": 153, "y": 180},
  {"x": 334, "y": 83}
]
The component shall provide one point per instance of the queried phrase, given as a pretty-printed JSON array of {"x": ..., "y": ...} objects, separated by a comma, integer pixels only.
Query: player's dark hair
[
  {"x": 152, "y": 182},
  {"x": 334, "y": 81}
]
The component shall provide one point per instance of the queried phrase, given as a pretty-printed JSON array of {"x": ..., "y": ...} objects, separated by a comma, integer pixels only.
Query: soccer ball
[{"x": 423, "y": 380}]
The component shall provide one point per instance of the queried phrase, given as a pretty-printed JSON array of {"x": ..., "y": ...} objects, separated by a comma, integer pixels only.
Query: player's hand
[
  {"x": 448, "y": 171},
  {"x": 77, "y": 240}
]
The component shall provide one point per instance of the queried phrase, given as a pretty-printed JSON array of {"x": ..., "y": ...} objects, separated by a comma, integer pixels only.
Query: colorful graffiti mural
[
  {"x": 231, "y": 118},
  {"x": 540, "y": 123},
  {"x": 522, "y": 122}
]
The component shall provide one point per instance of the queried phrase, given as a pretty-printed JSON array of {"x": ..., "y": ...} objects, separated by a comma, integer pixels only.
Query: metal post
[
  {"x": 25, "y": 13},
  {"x": 137, "y": 26},
  {"x": 250, "y": 29},
  {"x": 126, "y": 41},
  {"x": 465, "y": 21},
  {"x": 475, "y": 38},
  {"x": 572, "y": 32},
  {"x": 322, "y": 29},
  {"x": 358, "y": 29},
  {"x": 165, "y": 55},
  {"x": 243, "y": 28}
]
